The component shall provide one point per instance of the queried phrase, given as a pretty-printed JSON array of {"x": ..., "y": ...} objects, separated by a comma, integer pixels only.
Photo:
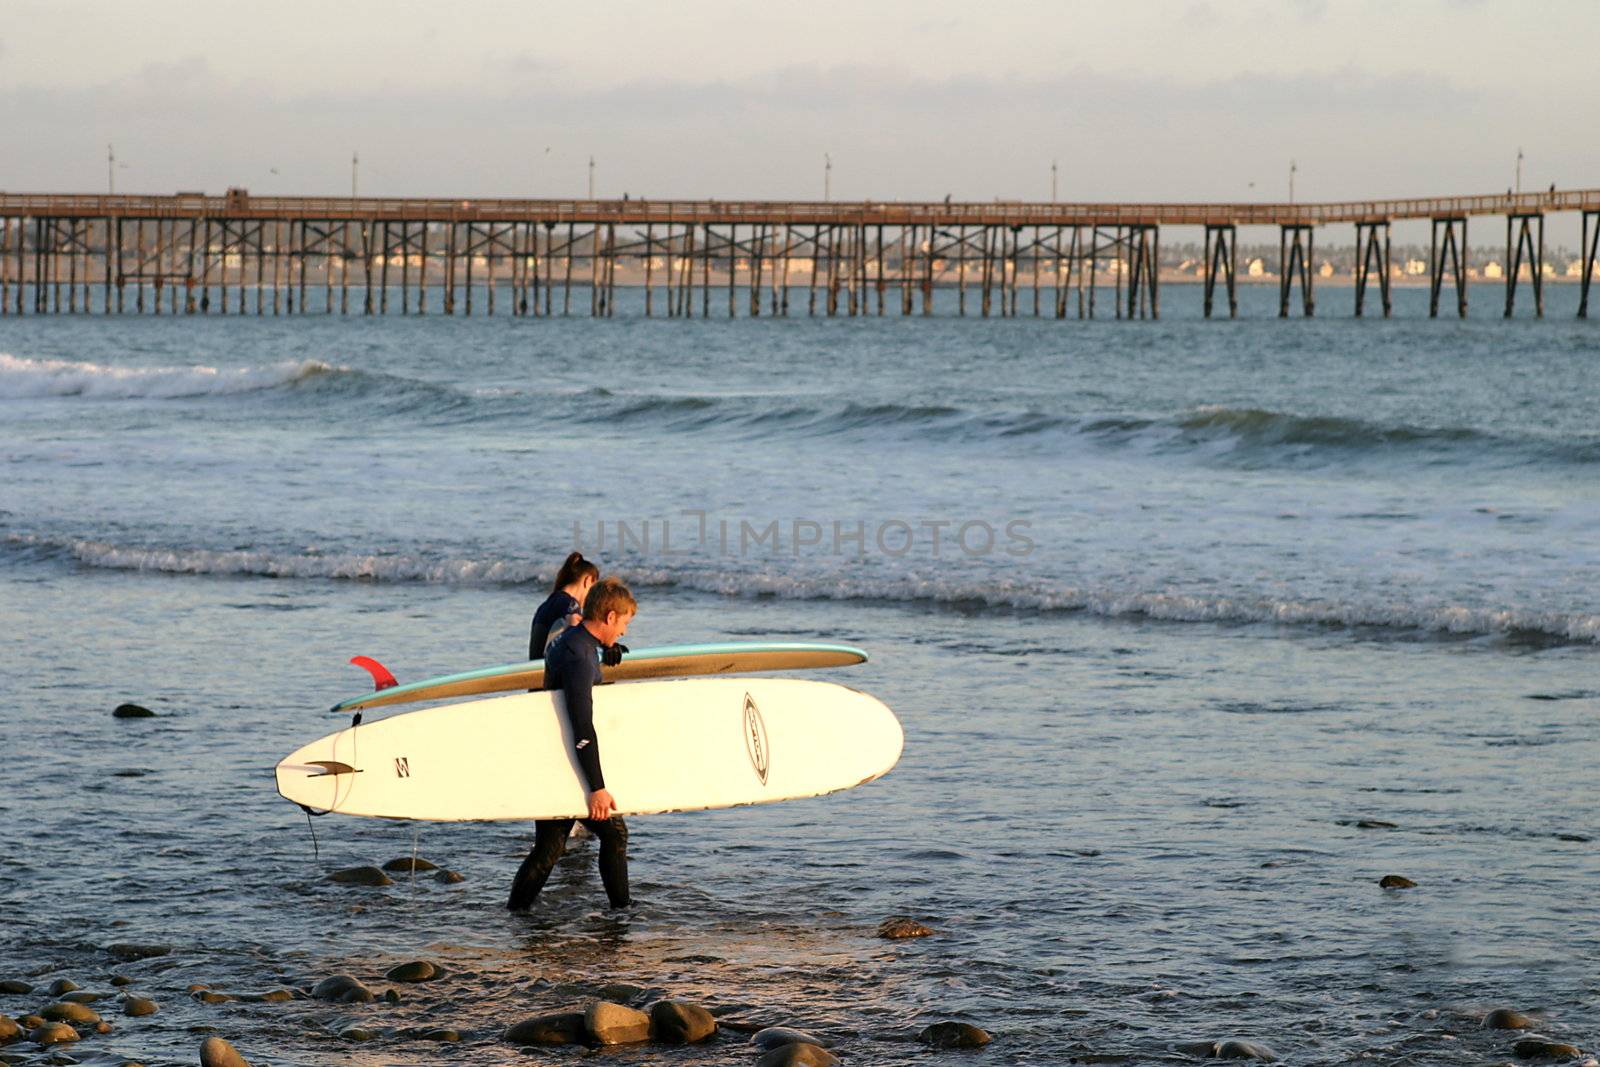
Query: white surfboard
[{"x": 664, "y": 746}]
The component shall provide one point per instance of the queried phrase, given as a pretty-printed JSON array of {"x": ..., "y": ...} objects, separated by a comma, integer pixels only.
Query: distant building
[
  {"x": 1326, "y": 270},
  {"x": 1416, "y": 266},
  {"x": 1493, "y": 270},
  {"x": 1256, "y": 269}
]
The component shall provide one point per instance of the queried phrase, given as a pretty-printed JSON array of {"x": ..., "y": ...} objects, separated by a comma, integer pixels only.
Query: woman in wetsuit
[{"x": 564, "y": 606}]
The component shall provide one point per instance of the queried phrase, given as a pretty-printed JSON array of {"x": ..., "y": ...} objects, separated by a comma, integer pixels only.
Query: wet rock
[
  {"x": 900, "y": 927},
  {"x": 615, "y": 1024},
  {"x": 357, "y": 1033},
  {"x": 954, "y": 1035},
  {"x": 562, "y": 1029},
  {"x": 102, "y": 1027},
  {"x": 429, "y": 1033},
  {"x": 678, "y": 1022},
  {"x": 406, "y": 863},
  {"x": 215, "y": 1052},
  {"x": 132, "y": 711},
  {"x": 31, "y": 1022},
  {"x": 342, "y": 989},
  {"x": 361, "y": 876},
  {"x": 1538, "y": 1048},
  {"x": 1396, "y": 881},
  {"x": 195, "y": 987},
  {"x": 1507, "y": 1019},
  {"x": 120, "y": 980},
  {"x": 11, "y": 985},
  {"x": 451, "y": 877},
  {"x": 797, "y": 1054},
  {"x": 53, "y": 1034},
  {"x": 415, "y": 971},
  {"x": 271, "y": 996},
  {"x": 137, "y": 1006},
  {"x": 207, "y": 996},
  {"x": 128, "y": 952},
  {"x": 60, "y": 986},
  {"x": 83, "y": 996},
  {"x": 67, "y": 1011},
  {"x": 9, "y": 1030},
  {"x": 775, "y": 1036},
  {"x": 1243, "y": 1050},
  {"x": 622, "y": 992}
]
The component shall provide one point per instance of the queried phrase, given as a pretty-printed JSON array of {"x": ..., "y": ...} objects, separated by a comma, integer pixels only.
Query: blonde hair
[{"x": 608, "y": 595}]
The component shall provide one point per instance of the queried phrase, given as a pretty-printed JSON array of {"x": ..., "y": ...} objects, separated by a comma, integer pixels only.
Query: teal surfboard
[{"x": 668, "y": 661}]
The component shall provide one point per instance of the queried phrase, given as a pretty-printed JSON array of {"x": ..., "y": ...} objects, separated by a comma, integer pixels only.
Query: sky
[{"x": 910, "y": 99}]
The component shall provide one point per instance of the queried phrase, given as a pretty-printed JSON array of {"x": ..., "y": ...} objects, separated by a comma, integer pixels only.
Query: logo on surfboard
[{"x": 755, "y": 738}]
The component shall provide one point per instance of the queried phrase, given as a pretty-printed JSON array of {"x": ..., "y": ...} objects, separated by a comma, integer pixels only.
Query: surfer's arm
[{"x": 580, "y": 712}]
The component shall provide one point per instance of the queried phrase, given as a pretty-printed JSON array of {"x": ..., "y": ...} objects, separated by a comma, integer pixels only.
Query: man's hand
[
  {"x": 601, "y": 804},
  {"x": 611, "y": 655}
]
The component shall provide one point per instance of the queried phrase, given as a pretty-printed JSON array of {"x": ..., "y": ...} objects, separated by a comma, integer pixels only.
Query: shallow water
[{"x": 1301, "y": 604}]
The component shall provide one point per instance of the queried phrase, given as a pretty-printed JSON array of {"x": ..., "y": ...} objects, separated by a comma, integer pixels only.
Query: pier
[{"x": 192, "y": 253}]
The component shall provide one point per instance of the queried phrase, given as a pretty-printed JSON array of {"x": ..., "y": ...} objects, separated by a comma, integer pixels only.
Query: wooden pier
[{"x": 191, "y": 253}]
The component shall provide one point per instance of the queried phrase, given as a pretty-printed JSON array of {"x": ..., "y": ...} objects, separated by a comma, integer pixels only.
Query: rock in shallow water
[
  {"x": 797, "y": 1054},
  {"x": 1507, "y": 1019},
  {"x": 415, "y": 971},
  {"x": 132, "y": 711},
  {"x": 137, "y": 1006},
  {"x": 451, "y": 877},
  {"x": 361, "y": 876},
  {"x": 60, "y": 986},
  {"x": 954, "y": 1035},
  {"x": 776, "y": 1036},
  {"x": 53, "y": 1034},
  {"x": 9, "y": 1030},
  {"x": 342, "y": 989},
  {"x": 68, "y": 1011},
  {"x": 11, "y": 985},
  {"x": 1228, "y": 1050},
  {"x": 215, "y": 1052},
  {"x": 678, "y": 1022},
  {"x": 406, "y": 863},
  {"x": 615, "y": 1024},
  {"x": 1396, "y": 881},
  {"x": 564, "y": 1028},
  {"x": 128, "y": 952},
  {"x": 357, "y": 1033},
  {"x": 1538, "y": 1048},
  {"x": 900, "y": 927}
]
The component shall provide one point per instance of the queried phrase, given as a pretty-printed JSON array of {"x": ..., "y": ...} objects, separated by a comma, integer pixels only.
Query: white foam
[{"x": 31, "y": 378}]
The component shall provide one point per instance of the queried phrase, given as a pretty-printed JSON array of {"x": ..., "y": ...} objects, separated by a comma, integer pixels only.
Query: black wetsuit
[
  {"x": 572, "y": 665},
  {"x": 556, "y": 607}
]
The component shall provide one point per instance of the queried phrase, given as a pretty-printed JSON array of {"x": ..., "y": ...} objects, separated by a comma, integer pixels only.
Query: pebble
[
  {"x": 132, "y": 711},
  {"x": 206, "y": 996},
  {"x": 562, "y": 1029},
  {"x": 215, "y": 1052},
  {"x": 102, "y": 1027},
  {"x": 120, "y": 980},
  {"x": 1396, "y": 881},
  {"x": 406, "y": 863},
  {"x": 52, "y": 1034},
  {"x": 615, "y": 1024},
  {"x": 83, "y": 996},
  {"x": 357, "y": 1033},
  {"x": 129, "y": 952},
  {"x": 1228, "y": 1050},
  {"x": 137, "y": 1006},
  {"x": 271, "y": 996},
  {"x": 60, "y": 986},
  {"x": 11, "y": 985},
  {"x": 798, "y": 1054},
  {"x": 900, "y": 927},
  {"x": 429, "y": 1033},
  {"x": 1538, "y": 1048},
  {"x": 954, "y": 1035},
  {"x": 342, "y": 989},
  {"x": 1507, "y": 1019},
  {"x": 31, "y": 1022},
  {"x": 622, "y": 992},
  {"x": 415, "y": 971},
  {"x": 361, "y": 876},
  {"x": 776, "y": 1036},
  {"x": 9, "y": 1030},
  {"x": 67, "y": 1011},
  {"x": 451, "y": 877},
  {"x": 678, "y": 1022}
]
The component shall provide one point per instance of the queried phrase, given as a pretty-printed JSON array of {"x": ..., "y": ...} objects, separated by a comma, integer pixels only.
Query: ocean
[{"x": 1197, "y": 629}]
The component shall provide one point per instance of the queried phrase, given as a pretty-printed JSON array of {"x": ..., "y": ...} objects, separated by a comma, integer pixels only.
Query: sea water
[{"x": 1197, "y": 630}]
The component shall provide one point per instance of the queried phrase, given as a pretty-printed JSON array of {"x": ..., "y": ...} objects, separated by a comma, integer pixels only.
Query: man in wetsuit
[{"x": 572, "y": 665}]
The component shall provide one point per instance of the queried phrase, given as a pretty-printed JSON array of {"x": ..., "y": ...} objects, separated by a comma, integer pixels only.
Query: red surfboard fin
[{"x": 381, "y": 678}]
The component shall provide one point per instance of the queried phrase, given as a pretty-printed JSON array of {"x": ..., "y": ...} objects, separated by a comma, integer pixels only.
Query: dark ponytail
[{"x": 574, "y": 568}]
